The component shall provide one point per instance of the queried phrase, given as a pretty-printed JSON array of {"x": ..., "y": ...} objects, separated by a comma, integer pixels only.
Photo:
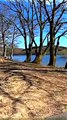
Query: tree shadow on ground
[
  {"x": 6, "y": 67},
  {"x": 27, "y": 73}
]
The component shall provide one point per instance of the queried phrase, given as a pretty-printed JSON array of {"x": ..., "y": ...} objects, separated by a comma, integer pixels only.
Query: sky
[{"x": 63, "y": 40}]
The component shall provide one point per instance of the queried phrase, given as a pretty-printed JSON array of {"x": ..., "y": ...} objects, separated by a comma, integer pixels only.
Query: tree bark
[
  {"x": 39, "y": 58},
  {"x": 39, "y": 55},
  {"x": 52, "y": 37},
  {"x": 4, "y": 46},
  {"x": 27, "y": 54}
]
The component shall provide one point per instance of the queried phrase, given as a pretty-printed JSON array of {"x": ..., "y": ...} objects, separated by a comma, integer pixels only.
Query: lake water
[{"x": 60, "y": 61}]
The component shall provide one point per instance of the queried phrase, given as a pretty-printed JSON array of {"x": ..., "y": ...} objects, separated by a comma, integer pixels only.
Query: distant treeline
[{"x": 20, "y": 51}]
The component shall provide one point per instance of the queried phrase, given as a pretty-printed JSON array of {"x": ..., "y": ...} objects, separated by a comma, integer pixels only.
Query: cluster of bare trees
[
  {"x": 8, "y": 31},
  {"x": 45, "y": 19}
]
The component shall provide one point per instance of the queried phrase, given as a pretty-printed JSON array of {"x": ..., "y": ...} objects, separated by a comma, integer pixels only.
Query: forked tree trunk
[{"x": 40, "y": 56}]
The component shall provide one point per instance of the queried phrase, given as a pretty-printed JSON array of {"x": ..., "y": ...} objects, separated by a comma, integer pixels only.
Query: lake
[{"x": 60, "y": 61}]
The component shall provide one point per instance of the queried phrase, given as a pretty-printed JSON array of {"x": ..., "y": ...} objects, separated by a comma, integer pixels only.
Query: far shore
[{"x": 20, "y": 51}]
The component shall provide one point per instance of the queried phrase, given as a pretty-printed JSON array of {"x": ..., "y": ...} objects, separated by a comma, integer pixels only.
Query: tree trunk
[
  {"x": 39, "y": 56},
  {"x": 4, "y": 50},
  {"x": 12, "y": 47},
  {"x": 51, "y": 62},
  {"x": 56, "y": 49},
  {"x": 12, "y": 51},
  {"x": 30, "y": 51},
  {"x": 4, "y": 46},
  {"x": 27, "y": 54},
  {"x": 52, "y": 37}
]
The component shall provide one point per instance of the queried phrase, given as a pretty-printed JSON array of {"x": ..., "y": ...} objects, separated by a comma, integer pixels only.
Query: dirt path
[{"x": 30, "y": 91}]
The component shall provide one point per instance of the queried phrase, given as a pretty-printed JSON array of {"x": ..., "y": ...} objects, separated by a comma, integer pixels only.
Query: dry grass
[{"x": 30, "y": 91}]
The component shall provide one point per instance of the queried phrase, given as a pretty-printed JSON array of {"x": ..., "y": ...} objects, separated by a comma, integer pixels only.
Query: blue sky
[{"x": 63, "y": 40}]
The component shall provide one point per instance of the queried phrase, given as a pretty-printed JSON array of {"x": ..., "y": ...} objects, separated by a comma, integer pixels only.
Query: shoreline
[{"x": 2, "y": 59}]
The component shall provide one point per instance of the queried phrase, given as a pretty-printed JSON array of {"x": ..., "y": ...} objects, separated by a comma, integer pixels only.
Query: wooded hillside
[{"x": 20, "y": 51}]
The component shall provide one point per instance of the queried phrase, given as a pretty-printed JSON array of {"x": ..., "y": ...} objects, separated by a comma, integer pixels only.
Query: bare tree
[
  {"x": 25, "y": 23},
  {"x": 55, "y": 12},
  {"x": 18, "y": 8},
  {"x": 38, "y": 16},
  {"x": 41, "y": 22},
  {"x": 4, "y": 26},
  {"x": 12, "y": 39}
]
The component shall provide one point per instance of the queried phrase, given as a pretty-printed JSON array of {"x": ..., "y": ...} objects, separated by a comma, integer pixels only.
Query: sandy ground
[{"x": 30, "y": 91}]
